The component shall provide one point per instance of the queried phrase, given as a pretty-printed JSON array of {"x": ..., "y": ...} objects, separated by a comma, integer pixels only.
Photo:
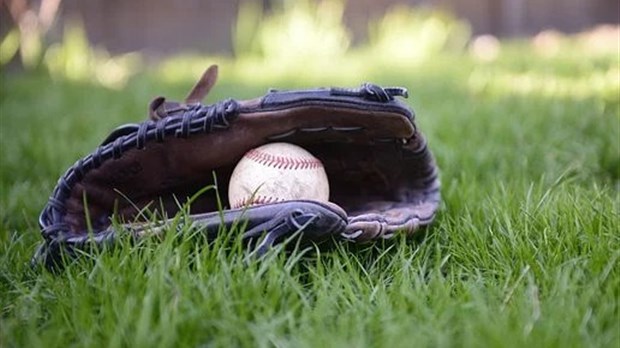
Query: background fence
[{"x": 162, "y": 27}]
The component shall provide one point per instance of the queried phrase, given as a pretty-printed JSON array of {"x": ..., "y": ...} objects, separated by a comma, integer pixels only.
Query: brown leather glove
[{"x": 383, "y": 178}]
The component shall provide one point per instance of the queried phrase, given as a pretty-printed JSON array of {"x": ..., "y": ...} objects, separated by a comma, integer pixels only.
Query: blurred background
[
  {"x": 75, "y": 38},
  {"x": 165, "y": 27}
]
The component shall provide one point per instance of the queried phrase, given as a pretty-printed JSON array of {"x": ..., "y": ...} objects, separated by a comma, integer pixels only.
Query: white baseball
[{"x": 277, "y": 172}]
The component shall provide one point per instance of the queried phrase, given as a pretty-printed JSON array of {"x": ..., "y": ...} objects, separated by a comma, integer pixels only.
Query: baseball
[{"x": 277, "y": 172}]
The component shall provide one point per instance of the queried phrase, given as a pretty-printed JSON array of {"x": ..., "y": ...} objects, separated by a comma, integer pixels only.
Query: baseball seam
[
  {"x": 281, "y": 162},
  {"x": 256, "y": 200}
]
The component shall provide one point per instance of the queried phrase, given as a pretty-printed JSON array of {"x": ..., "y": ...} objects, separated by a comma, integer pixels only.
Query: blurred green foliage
[
  {"x": 9, "y": 46},
  {"x": 295, "y": 31},
  {"x": 75, "y": 59},
  {"x": 302, "y": 37},
  {"x": 411, "y": 35}
]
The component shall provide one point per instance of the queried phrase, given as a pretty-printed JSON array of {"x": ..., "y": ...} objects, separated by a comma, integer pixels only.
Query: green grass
[{"x": 525, "y": 250}]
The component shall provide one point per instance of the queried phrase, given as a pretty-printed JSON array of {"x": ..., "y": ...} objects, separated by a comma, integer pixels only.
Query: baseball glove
[{"x": 383, "y": 178}]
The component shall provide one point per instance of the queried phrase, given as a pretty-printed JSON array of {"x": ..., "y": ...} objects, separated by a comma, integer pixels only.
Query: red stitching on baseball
[
  {"x": 282, "y": 162},
  {"x": 256, "y": 200}
]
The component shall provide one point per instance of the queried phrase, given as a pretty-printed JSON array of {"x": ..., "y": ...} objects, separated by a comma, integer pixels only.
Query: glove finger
[
  {"x": 384, "y": 219},
  {"x": 314, "y": 221}
]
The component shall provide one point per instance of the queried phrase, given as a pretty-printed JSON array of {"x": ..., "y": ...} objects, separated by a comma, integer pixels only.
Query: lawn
[{"x": 524, "y": 252}]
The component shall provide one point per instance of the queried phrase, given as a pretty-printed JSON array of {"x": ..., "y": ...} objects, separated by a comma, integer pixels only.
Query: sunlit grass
[{"x": 604, "y": 83}]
